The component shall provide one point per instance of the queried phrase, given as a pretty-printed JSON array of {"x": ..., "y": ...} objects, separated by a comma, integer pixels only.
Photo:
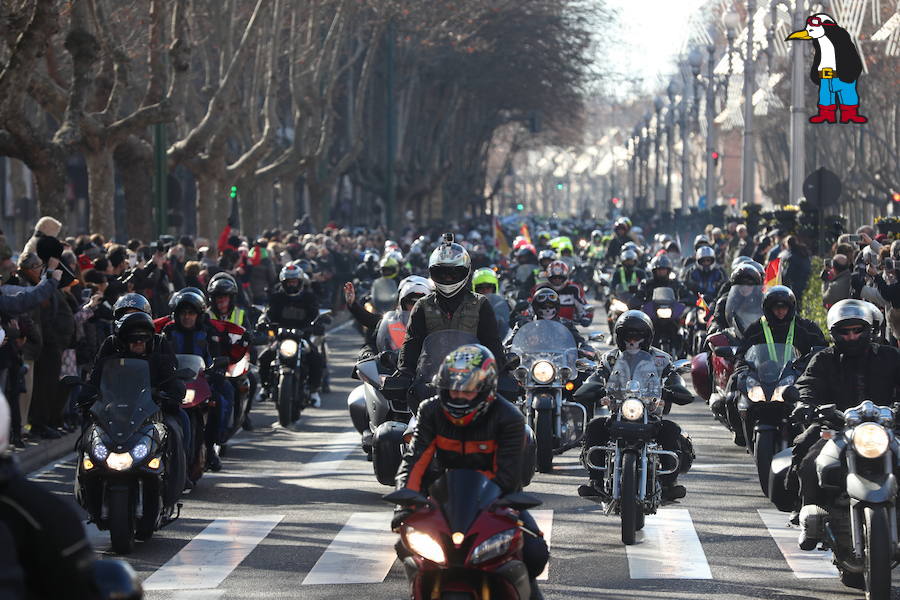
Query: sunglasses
[
  {"x": 817, "y": 22},
  {"x": 851, "y": 331}
]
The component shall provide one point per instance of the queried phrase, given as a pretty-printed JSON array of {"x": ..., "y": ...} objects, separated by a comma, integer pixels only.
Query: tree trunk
[
  {"x": 287, "y": 206},
  {"x": 50, "y": 180},
  {"x": 249, "y": 197},
  {"x": 102, "y": 192},
  {"x": 207, "y": 204},
  {"x": 317, "y": 203},
  {"x": 265, "y": 195},
  {"x": 134, "y": 164}
]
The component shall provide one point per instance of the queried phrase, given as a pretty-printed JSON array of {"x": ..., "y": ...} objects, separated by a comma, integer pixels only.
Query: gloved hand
[
  {"x": 585, "y": 321},
  {"x": 802, "y": 414},
  {"x": 400, "y": 515}
]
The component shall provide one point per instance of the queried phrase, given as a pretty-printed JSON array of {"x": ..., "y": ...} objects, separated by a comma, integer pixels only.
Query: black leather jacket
[
  {"x": 492, "y": 444},
  {"x": 846, "y": 381}
]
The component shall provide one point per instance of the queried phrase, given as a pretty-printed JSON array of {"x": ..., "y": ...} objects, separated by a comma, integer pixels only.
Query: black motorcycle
[
  {"x": 856, "y": 470},
  {"x": 125, "y": 453}
]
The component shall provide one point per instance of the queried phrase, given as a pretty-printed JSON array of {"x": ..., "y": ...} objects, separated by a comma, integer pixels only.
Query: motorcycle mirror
[
  {"x": 518, "y": 501},
  {"x": 724, "y": 352},
  {"x": 116, "y": 579},
  {"x": 585, "y": 364},
  {"x": 513, "y": 360},
  {"x": 405, "y": 497},
  {"x": 791, "y": 394},
  {"x": 596, "y": 336},
  {"x": 682, "y": 366}
]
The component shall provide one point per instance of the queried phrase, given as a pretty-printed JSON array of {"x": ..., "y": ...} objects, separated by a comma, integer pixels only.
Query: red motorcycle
[
  {"x": 465, "y": 540},
  {"x": 197, "y": 403}
]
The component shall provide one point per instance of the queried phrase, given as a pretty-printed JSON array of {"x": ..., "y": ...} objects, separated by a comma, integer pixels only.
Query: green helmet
[{"x": 485, "y": 276}]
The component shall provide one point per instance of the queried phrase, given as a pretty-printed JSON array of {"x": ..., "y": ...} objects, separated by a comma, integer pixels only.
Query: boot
[
  {"x": 826, "y": 114},
  {"x": 812, "y": 517},
  {"x": 849, "y": 114},
  {"x": 212, "y": 460},
  {"x": 674, "y": 492}
]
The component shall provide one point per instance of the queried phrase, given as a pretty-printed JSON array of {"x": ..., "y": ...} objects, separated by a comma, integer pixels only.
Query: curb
[{"x": 34, "y": 457}]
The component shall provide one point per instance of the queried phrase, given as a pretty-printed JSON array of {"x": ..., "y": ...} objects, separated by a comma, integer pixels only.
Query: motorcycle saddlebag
[
  {"x": 783, "y": 499},
  {"x": 386, "y": 453},
  {"x": 700, "y": 375}
]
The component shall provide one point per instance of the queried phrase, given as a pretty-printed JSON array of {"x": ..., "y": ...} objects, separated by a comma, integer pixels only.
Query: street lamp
[
  {"x": 658, "y": 104},
  {"x": 673, "y": 90},
  {"x": 710, "y": 121},
  {"x": 748, "y": 162}
]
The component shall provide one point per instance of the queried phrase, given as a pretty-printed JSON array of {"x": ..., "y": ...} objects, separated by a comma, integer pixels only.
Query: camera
[{"x": 827, "y": 263}]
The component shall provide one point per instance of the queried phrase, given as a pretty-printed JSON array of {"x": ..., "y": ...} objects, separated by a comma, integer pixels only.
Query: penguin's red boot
[
  {"x": 827, "y": 114},
  {"x": 849, "y": 114}
]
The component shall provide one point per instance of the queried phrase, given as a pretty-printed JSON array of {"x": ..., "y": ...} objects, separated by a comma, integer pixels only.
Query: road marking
[
  {"x": 712, "y": 466},
  {"x": 544, "y": 520},
  {"x": 197, "y": 595},
  {"x": 670, "y": 548},
  {"x": 815, "y": 564},
  {"x": 361, "y": 552},
  {"x": 213, "y": 554},
  {"x": 329, "y": 461}
]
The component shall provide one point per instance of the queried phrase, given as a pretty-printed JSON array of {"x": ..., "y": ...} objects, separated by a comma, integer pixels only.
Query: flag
[
  {"x": 773, "y": 274},
  {"x": 500, "y": 242},
  {"x": 701, "y": 302},
  {"x": 524, "y": 231}
]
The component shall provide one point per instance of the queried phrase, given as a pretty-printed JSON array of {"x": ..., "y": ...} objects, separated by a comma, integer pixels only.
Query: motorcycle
[
  {"x": 666, "y": 313},
  {"x": 617, "y": 303},
  {"x": 292, "y": 393},
  {"x": 465, "y": 540},
  {"x": 631, "y": 461},
  {"x": 381, "y": 421},
  {"x": 696, "y": 319},
  {"x": 123, "y": 470},
  {"x": 546, "y": 354},
  {"x": 857, "y": 467},
  {"x": 197, "y": 403}
]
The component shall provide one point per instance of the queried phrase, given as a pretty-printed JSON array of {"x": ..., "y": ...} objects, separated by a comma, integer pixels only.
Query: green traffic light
[
  {"x": 234, "y": 191},
  {"x": 520, "y": 206},
  {"x": 560, "y": 186}
]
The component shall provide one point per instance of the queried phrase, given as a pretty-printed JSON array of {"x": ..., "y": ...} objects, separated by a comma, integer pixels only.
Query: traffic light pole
[
  {"x": 710, "y": 127},
  {"x": 748, "y": 159},
  {"x": 798, "y": 116}
]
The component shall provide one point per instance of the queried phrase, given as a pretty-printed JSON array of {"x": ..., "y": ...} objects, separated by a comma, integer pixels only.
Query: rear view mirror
[
  {"x": 682, "y": 366},
  {"x": 724, "y": 352},
  {"x": 596, "y": 336},
  {"x": 518, "y": 501},
  {"x": 585, "y": 364},
  {"x": 513, "y": 360},
  {"x": 405, "y": 497}
]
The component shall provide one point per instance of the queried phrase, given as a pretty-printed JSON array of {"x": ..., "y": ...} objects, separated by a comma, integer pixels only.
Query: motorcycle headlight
[
  {"x": 494, "y": 546},
  {"x": 288, "y": 348},
  {"x": 425, "y": 546},
  {"x": 632, "y": 409},
  {"x": 664, "y": 313},
  {"x": 189, "y": 396},
  {"x": 870, "y": 440},
  {"x": 756, "y": 394},
  {"x": 100, "y": 451},
  {"x": 140, "y": 451},
  {"x": 119, "y": 461},
  {"x": 777, "y": 394},
  {"x": 543, "y": 371},
  {"x": 618, "y": 306}
]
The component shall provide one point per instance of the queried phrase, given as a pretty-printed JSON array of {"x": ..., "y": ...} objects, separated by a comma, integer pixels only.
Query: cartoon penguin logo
[{"x": 835, "y": 68}]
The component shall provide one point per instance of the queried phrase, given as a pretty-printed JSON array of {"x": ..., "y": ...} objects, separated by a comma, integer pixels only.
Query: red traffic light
[
  {"x": 715, "y": 155},
  {"x": 733, "y": 201},
  {"x": 896, "y": 196},
  {"x": 617, "y": 201}
]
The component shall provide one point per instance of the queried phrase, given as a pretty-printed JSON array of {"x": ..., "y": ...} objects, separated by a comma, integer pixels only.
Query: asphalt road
[{"x": 299, "y": 515}]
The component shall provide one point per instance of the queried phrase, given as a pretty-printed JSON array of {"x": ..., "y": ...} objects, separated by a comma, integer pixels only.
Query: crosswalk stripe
[
  {"x": 329, "y": 461},
  {"x": 670, "y": 548},
  {"x": 815, "y": 564},
  {"x": 213, "y": 554},
  {"x": 544, "y": 520},
  {"x": 362, "y": 552}
]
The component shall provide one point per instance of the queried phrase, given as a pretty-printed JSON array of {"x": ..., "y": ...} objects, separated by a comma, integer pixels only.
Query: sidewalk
[{"x": 35, "y": 456}]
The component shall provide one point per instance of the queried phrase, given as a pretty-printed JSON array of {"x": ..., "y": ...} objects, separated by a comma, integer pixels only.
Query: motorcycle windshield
[
  {"x": 462, "y": 495},
  {"x": 392, "y": 330},
  {"x": 743, "y": 306},
  {"x": 523, "y": 271},
  {"x": 501, "y": 311},
  {"x": 545, "y": 339},
  {"x": 639, "y": 370},
  {"x": 384, "y": 294},
  {"x": 435, "y": 349},
  {"x": 126, "y": 400},
  {"x": 768, "y": 363},
  {"x": 664, "y": 295}
]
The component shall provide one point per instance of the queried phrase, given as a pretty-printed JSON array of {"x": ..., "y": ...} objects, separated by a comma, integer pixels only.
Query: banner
[
  {"x": 773, "y": 274},
  {"x": 524, "y": 231},
  {"x": 500, "y": 242}
]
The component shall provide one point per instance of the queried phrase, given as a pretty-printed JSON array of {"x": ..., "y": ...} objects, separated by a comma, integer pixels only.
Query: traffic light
[
  {"x": 715, "y": 157},
  {"x": 616, "y": 201},
  {"x": 520, "y": 206},
  {"x": 733, "y": 201},
  {"x": 560, "y": 185},
  {"x": 233, "y": 192},
  {"x": 896, "y": 196}
]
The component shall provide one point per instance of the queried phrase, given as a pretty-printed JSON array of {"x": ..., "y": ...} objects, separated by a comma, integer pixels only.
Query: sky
[{"x": 651, "y": 34}]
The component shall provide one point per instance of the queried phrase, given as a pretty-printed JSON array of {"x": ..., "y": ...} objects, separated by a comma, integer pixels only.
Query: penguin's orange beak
[{"x": 799, "y": 35}]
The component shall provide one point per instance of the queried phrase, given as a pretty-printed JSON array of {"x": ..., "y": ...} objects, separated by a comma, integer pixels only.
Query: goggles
[{"x": 817, "y": 22}]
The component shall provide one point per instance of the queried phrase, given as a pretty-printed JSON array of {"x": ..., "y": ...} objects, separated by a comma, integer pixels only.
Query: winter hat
[{"x": 48, "y": 226}]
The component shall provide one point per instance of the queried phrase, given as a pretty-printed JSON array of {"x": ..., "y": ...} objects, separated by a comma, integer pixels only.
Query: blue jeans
[{"x": 831, "y": 89}]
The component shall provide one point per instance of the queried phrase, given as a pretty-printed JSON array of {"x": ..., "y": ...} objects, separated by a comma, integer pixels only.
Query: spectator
[
  {"x": 795, "y": 267},
  {"x": 836, "y": 281}
]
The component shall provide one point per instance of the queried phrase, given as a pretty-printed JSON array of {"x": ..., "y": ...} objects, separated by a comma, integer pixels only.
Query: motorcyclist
[
  {"x": 596, "y": 249},
  {"x": 136, "y": 337},
  {"x": 853, "y": 370},
  {"x": 223, "y": 293},
  {"x": 573, "y": 305},
  {"x": 690, "y": 260},
  {"x": 467, "y": 410},
  {"x": 453, "y": 305},
  {"x": 293, "y": 307},
  {"x": 485, "y": 281},
  {"x": 190, "y": 332},
  {"x": 742, "y": 275},
  {"x": 705, "y": 277},
  {"x": 389, "y": 267},
  {"x": 546, "y": 305},
  {"x": 634, "y": 332},
  {"x": 779, "y": 324},
  {"x": 526, "y": 255},
  {"x": 620, "y": 236},
  {"x": 661, "y": 276},
  {"x": 626, "y": 277},
  {"x": 368, "y": 269}
]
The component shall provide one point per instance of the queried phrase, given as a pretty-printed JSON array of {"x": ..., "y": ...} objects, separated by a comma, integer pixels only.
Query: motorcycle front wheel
[
  {"x": 765, "y": 447},
  {"x": 286, "y": 400},
  {"x": 628, "y": 505},
  {"x": 121, "y": 521},
  {"x": 878, "y": 553},
  {"x": 544, "y": 433}
]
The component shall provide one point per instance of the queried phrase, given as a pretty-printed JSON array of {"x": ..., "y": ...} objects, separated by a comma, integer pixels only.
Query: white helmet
[
  {"x": 4, "y": 423},
  {"x": 417, "y": 286},
  {"x": 449, "y": 266}
]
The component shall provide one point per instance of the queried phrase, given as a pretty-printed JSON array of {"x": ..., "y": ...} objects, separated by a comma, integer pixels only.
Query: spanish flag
[
  {"x": 773, "y": 274},
  {"x": 500, "y": 242},
  {"x": 701, "y": 302},
  {"x": 524, "y": 231}
]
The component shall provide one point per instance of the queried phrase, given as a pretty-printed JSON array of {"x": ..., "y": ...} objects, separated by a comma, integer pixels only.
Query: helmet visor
[{"x": 448, "y": 275}]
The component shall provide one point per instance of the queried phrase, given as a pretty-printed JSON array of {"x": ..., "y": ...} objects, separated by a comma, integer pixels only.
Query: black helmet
[
  {"x": 187, "y": 297},
  {"x": 745, "y": 274},
  {"x": 634, "y": 323},
  {"x": 660, "y": 262},
  {"x": 845, "y": 316},
  {"x": 777, "y": 295},
  {"x": 224, "y": 286},
  {"x": 221, "y": 275},
  {"x": 134, "y": 327},
  {"x": 545, "y": 299},
  {"x": 469, "y": 368},
  {"x": 128, "y": 302}
]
